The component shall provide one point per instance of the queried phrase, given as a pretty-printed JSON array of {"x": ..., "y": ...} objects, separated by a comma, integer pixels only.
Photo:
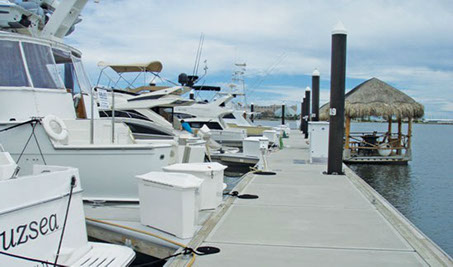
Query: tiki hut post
[
  {"x": 390, "y": 127},
  {"x": 347, "y": 132},
  {"x": 409, "y": 133},
  {"x": 337, "y": 100}
]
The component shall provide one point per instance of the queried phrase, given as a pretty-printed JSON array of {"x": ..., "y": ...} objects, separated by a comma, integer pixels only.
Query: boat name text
[{"x": 23, "y": 233}]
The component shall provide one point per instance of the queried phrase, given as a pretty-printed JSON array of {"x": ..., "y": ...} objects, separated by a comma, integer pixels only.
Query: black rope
[
  {"x": 73, "y": 181},
  {"x": 30, "y": 259},
  {"x": 33, "y": 123},
  {"x": 28, "y": 141},
  {"x": 20, "y": 124}
]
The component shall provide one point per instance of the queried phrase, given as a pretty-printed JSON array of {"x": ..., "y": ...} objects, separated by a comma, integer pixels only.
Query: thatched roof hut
[{"x": 377, "y": 98}]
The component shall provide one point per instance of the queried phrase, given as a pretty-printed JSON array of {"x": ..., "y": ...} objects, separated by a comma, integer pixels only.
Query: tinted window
[
  {"x": 229, "y": 116},
  {"x": 211, "y": 125},
  {"x": 136, "y": 128},
  {"x": 12, "y": 70},
  {"x": 134, "y": 114},
  {"x": 183, "y": 116},
  {"x": 41, "y": 65}
]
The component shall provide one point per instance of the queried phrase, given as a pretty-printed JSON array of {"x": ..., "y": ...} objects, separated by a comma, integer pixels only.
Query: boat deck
[{"x": 306, "y": 218}]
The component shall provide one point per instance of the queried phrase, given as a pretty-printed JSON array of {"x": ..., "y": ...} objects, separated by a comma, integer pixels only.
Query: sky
[{"x": 407, "y": 43}]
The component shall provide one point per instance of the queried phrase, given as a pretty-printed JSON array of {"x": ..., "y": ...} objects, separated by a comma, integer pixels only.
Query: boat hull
[{"x": 107, "y": 171}]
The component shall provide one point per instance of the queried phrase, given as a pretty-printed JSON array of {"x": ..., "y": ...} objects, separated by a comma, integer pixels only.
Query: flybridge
[{"x": 50, "y": 19}]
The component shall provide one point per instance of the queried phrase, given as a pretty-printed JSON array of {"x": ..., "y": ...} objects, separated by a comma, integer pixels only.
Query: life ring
[{"x": 55, "y": 127}]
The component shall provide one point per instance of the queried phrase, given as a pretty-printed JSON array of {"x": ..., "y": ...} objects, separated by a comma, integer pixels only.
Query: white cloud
[{"x": 406, "y": 43}]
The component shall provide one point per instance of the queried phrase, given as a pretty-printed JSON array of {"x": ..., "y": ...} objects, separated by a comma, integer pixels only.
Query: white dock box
[
  {"x": 168, "y": 202},
  {"x": 319, "y": 141},
  {"x": 211, "y": 191},
  {"x": 252, "y": 146},
  {"x": 271, "y": 135}
]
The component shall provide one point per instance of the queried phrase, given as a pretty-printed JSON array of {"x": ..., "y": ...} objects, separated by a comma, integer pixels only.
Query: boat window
[
  {"x": 12, "y": 69},
  {"x": 183, "y": 116},
  {"x": 136, "y": 115},
  {"x": 41, "y": 65},
  {"x": 81, "y": 75},
  {"x": 142, "y": 129},
  {"x": 229, "y": 116},
  {"x": 211, "y": 125},
  {"x": 118, "y": 114}
]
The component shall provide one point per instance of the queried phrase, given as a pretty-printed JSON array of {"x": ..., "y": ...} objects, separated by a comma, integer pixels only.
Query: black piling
[
  {"x": 315, "y": 96},
  {"x": 304, "y": 115},
  {"x": 252, "y": 109},
  {"x": 302, "y": 108},
  {"x": 283, "y": 114},
  {"x": 337, "y": 95},
  {"x": 307, "y": 110},
  {"x": 192, "y": 95}
]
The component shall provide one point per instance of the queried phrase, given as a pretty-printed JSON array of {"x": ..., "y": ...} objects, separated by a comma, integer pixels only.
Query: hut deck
[
  {"x": 306, "y": 218},
  {"x": 378, "y": 159}
]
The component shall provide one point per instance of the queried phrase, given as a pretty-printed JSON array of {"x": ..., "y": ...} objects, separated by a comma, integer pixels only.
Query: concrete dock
[{"x": 306, "y": 218}]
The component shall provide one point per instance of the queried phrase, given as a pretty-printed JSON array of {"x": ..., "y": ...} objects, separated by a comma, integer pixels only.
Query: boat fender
[
  {"x": 55, "y": 127},
  {"x": 384, "y": 150}
]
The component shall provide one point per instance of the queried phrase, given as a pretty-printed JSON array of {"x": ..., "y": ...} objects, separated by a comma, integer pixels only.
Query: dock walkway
[{"x": 306, "y": 218}]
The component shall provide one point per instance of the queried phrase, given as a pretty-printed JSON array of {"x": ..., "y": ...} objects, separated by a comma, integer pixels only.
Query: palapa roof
[
  {"x": 153, "y": 66},
  {"x": 377, "y": 98}
]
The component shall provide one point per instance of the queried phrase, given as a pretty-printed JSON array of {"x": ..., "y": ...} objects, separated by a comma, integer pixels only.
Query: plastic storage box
[
  {"x": 211, "y": 191},
  {"x": 168, "y": 202},
  {"x": 271, "y": 135},
  {"x": 252, "y": 146}
]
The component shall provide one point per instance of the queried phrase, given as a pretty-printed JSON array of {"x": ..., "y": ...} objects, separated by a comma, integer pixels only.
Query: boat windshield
[
  {"x": 12, "y": 69},
  {"x": 71, "y": 69},
  {"x": 82, "y": 78},
  {"x": 41, "y": 66},
  {"x": 27, "y": 64}
]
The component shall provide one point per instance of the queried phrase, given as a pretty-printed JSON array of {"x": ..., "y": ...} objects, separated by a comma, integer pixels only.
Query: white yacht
[
  {"x": 44, "y": 114},
  {"x": 148, "y": 111},
  {"x": 211, "y": 114},
  {"x": 43, "y": 222}
]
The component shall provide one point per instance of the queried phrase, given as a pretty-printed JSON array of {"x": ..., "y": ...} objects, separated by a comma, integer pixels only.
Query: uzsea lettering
[{"x": 23, "y": 233}]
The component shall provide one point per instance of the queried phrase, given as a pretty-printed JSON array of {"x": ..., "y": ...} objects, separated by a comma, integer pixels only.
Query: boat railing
[{"x": 377, "y": 144}]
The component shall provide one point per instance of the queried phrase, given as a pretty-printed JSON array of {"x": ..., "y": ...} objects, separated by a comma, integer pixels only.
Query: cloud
[{"x": 405, "y": 43}]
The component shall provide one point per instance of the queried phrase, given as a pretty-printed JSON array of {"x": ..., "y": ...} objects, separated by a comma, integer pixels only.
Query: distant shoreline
[{"x": 418, "y": 122}]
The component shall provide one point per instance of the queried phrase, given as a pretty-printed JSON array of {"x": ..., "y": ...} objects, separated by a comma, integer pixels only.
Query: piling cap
[
  {"x": 192, "y": 92},
  {"x": 307, "y": 89},
  {"x": 339, "y": 28},
  {"x": 315, "y": 72}
]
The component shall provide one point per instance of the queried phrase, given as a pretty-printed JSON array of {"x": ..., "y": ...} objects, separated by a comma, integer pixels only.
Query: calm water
[{"x": 421, "y": 190}]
